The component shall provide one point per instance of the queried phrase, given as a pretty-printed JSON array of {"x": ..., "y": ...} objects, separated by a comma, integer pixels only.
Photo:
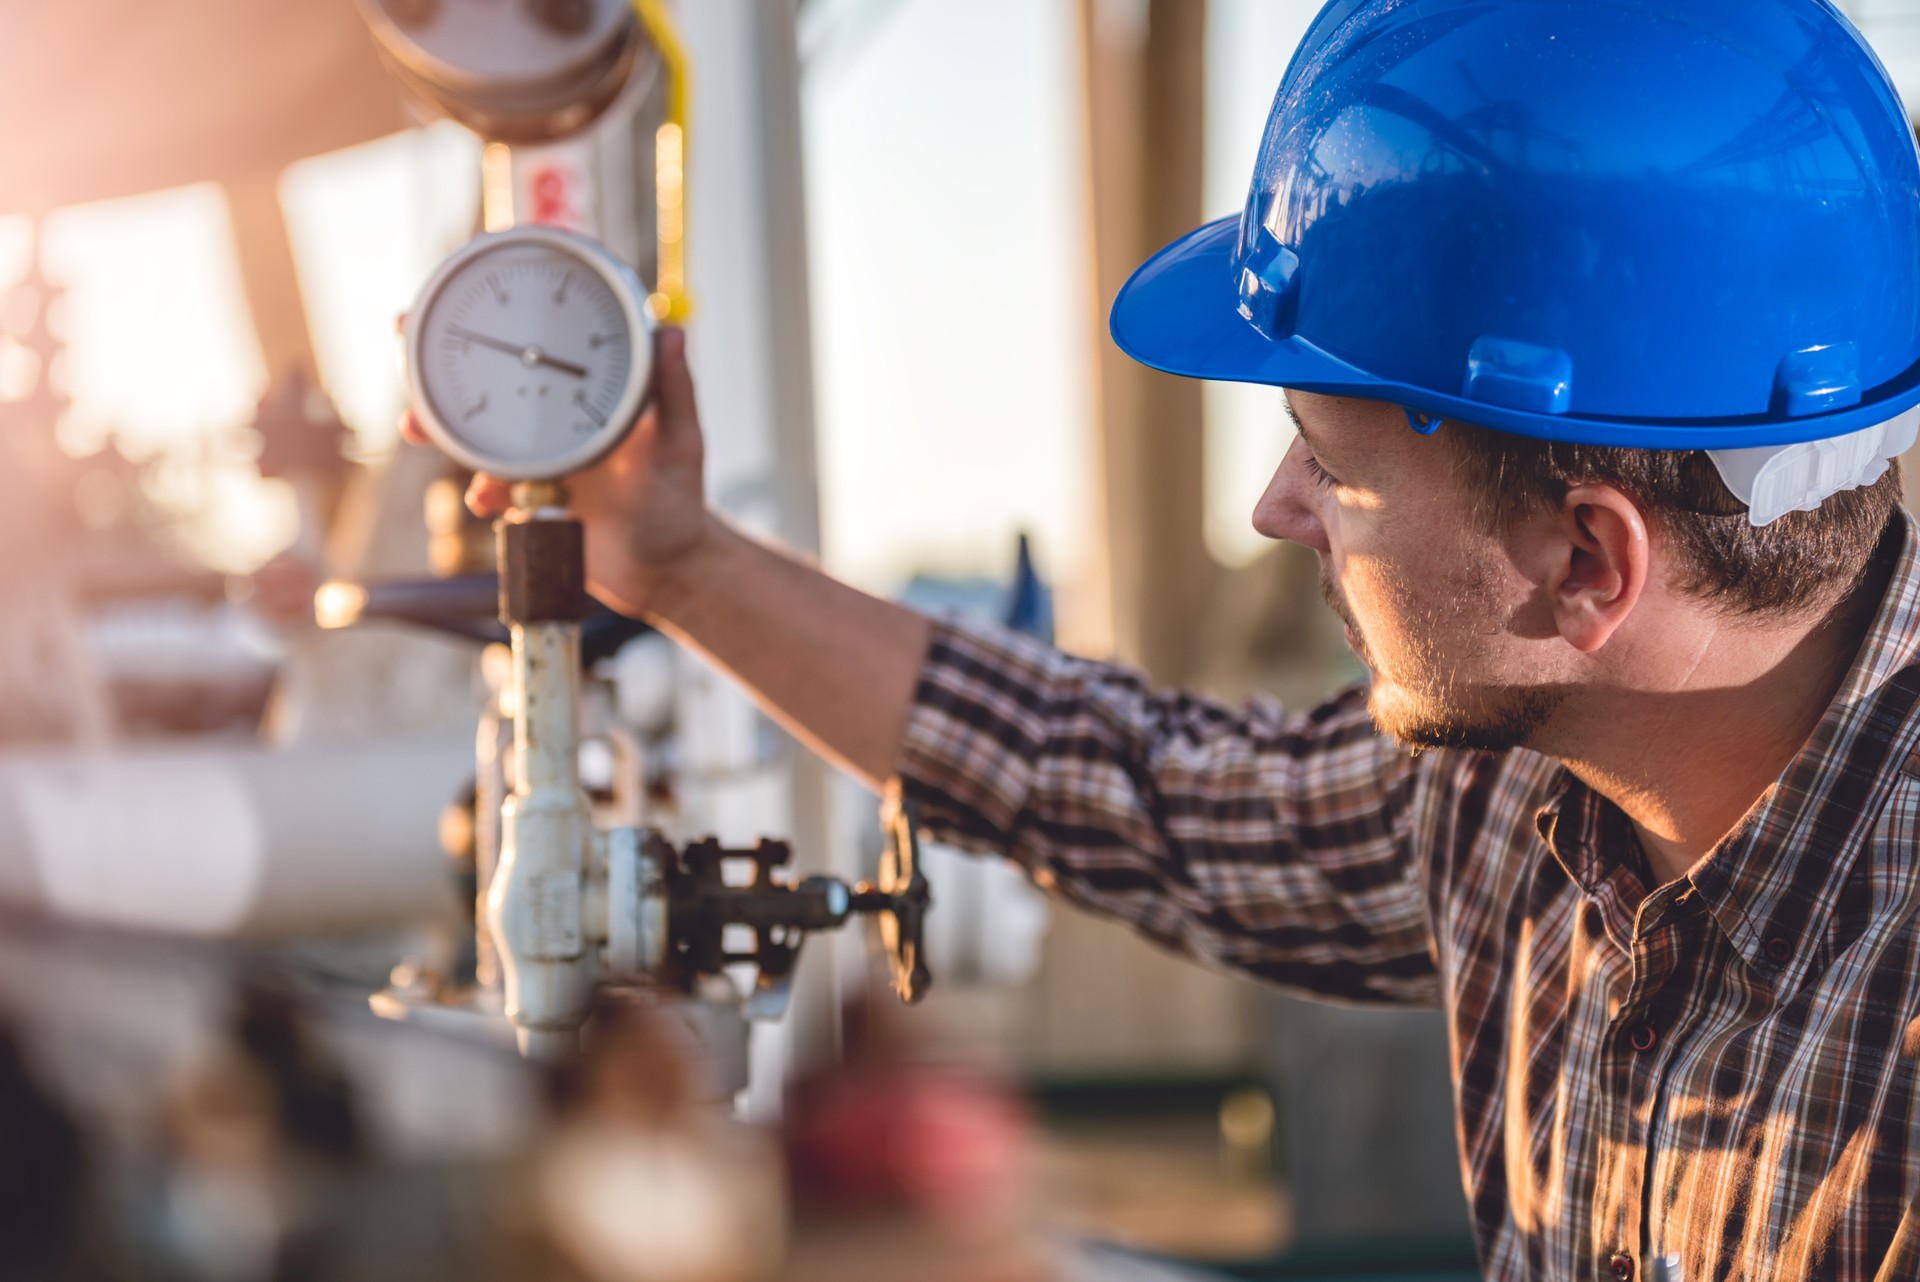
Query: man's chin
[{"x": 1507, "y": 720}]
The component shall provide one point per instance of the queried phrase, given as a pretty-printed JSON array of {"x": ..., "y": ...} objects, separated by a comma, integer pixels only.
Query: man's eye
[{"x": 1321, "y": 477}]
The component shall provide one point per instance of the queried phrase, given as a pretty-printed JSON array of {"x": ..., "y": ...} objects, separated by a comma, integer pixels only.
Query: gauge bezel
[{"x": 631, "y": 296}]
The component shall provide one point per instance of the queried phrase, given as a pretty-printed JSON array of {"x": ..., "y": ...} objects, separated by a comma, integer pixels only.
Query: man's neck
[{"x": 1687, "y": 759}]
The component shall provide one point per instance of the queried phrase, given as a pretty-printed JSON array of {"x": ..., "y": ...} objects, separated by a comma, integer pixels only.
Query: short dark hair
[{"x": 1802, "y": 561}]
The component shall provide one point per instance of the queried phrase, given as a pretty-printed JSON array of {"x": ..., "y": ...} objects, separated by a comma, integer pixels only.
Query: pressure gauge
[{"x": 528, "y": 353}]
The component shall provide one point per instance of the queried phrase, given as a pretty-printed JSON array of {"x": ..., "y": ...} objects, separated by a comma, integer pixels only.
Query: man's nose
[{"x": 1287, "y": 510}]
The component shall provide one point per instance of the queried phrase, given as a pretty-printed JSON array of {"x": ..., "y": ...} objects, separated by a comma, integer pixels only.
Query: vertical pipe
[
  {"x": 671, "y": 302},
  {"x": 1144, "y": 63},
  {"x": 496, "y": 187},
  {"x": 535, "y": 899},
  {"x": 746, "y": 248}
]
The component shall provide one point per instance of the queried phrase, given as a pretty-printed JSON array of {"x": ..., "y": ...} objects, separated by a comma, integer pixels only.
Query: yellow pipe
[{"x": 670, "y": 302}]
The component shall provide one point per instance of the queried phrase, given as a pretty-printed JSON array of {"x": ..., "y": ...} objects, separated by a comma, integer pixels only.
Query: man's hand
[
  {"x": 837, "y": 667},
  {"x": 644, "y": 505}
]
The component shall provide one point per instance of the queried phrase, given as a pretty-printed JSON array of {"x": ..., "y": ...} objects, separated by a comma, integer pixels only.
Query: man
[{"x": 1600, "y": 321}]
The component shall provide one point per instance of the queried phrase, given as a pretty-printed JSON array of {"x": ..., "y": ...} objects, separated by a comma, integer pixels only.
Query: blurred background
[{"x": 223, "y": 826}]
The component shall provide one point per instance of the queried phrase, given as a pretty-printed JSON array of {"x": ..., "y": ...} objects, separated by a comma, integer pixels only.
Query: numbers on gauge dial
[{"x": 526, "y": 353}]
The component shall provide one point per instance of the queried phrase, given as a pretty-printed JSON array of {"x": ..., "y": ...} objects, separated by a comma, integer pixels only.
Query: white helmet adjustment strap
[{"x": 1773, "y": 480}]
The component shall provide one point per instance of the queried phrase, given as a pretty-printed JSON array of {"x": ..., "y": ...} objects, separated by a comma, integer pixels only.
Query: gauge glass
[{"x": 523, "y": 353}]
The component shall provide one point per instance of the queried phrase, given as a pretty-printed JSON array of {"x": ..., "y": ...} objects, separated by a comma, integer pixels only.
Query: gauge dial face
[{"x": 528, "y": 353}]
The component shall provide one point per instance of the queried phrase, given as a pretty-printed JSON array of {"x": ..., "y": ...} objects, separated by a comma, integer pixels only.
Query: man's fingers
[
  {"x": 410, "y": 429},
  {"x": 488, "y": 495}
]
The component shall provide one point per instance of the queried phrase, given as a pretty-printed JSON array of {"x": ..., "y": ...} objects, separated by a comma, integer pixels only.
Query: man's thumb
[{"x": 672, "y": 379}]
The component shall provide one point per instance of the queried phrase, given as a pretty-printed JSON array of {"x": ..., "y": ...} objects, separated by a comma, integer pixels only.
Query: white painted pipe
[
  {"x": 536, "y": 899},
  {"x": 231, "y": 840}
]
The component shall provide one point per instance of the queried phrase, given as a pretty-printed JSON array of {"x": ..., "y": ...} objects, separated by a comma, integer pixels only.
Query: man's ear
[{"x": 1599, "y": 565}]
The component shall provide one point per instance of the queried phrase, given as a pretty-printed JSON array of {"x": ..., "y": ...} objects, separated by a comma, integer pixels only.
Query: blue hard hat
[{"x": 1620, "y": 222}]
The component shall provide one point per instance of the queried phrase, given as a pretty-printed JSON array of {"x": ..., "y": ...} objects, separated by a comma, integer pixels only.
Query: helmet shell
[{"x": 1623, "y": 222}]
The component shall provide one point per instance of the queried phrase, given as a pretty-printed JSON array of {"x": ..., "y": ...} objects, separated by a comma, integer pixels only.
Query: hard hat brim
[{"x": 1180, "y": 313}]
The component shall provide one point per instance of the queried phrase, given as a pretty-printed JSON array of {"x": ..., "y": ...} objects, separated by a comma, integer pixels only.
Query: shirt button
[
  {"x": 1621, "y": 1266},
  {"x": 1780, "y": 949},
  {"x": 1644, "y": 1039}
]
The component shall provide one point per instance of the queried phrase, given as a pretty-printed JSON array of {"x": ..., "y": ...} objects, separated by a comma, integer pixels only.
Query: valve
[
  {"x": 900, "y": 899},
  {"x": 668, "y": 919},
  {"x": 569, "y": 907}
]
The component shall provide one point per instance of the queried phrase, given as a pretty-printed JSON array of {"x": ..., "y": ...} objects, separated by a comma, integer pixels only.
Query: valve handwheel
[{"x": 901, "y": 898}]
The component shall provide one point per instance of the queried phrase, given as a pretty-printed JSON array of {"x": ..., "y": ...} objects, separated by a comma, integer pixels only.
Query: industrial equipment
[{"x": 529, "y": 352}]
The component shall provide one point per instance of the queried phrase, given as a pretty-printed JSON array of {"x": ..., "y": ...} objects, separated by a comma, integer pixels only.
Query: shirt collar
[{"x": 1773, "y": 883}]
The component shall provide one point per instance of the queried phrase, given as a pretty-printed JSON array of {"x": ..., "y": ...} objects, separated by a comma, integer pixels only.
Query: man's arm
[
  {"x": 1281, "y": 845},
  {"x": 834, "y": 665}
]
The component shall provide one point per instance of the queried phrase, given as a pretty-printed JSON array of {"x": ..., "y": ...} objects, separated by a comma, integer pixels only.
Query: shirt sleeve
[{"x": 1274, "y": 844}]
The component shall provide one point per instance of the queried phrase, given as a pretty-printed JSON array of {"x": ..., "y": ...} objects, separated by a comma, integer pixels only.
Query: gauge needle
[{"x": 531, "y": 355}]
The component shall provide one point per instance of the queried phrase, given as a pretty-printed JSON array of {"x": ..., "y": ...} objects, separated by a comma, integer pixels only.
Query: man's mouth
[{"x": 1331, "y": 595}]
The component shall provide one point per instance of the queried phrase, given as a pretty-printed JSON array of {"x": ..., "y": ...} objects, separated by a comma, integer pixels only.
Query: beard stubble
[{"x": 1442, "y": 712}]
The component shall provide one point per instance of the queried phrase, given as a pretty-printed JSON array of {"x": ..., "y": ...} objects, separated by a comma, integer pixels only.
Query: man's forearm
[{"x": 834, "y": 665}]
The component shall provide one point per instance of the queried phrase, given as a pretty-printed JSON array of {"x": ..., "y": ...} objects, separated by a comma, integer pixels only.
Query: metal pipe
[
  {"x": 535, "y": 908},
  {"x": 222, "y": 840},
  {"x": 534, "y": 902},
  {"x": 672, "y": 304}
]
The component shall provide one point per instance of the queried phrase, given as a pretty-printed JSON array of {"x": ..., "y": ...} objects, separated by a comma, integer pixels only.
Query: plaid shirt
[{"x": 1723, "y": 1067}]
